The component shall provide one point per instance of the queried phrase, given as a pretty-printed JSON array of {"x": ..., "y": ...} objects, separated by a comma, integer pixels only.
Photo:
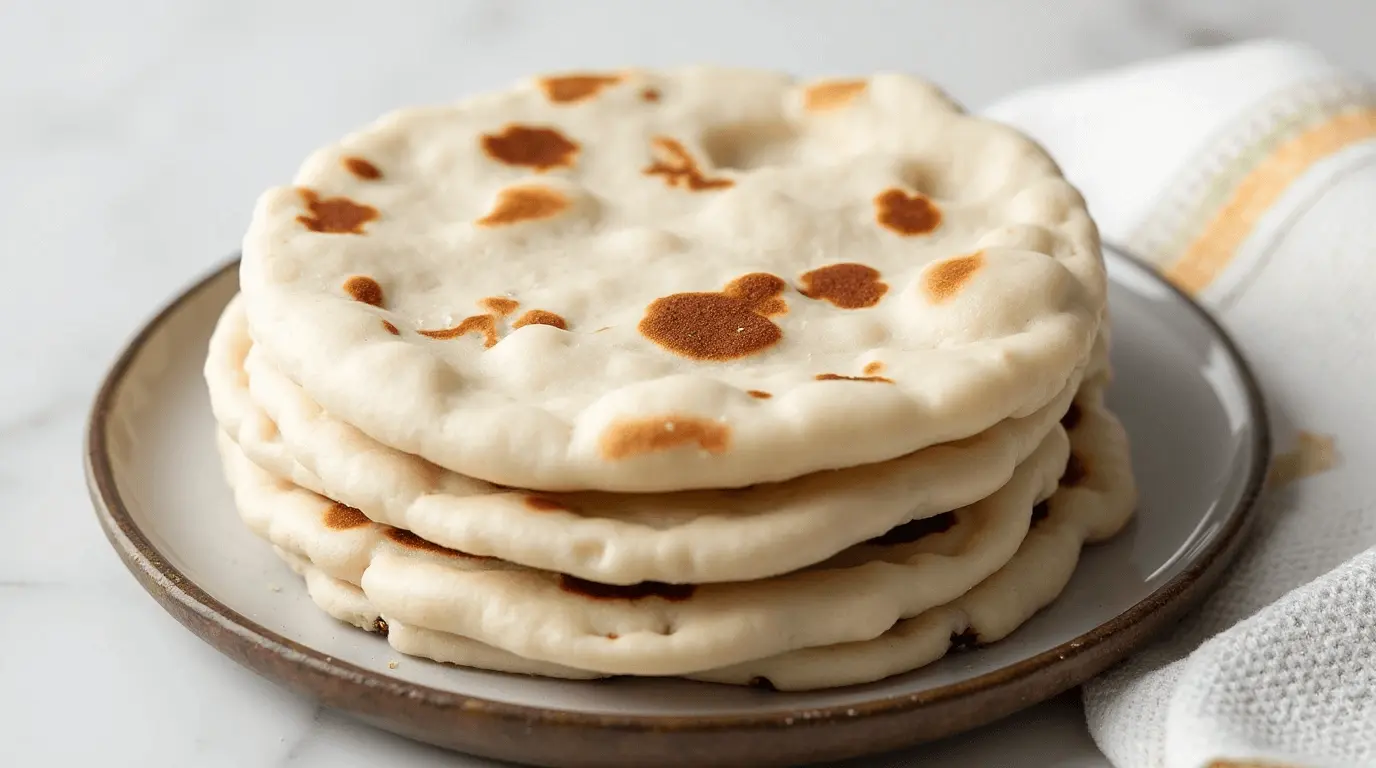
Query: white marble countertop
[{"x": 135, "y": 137}]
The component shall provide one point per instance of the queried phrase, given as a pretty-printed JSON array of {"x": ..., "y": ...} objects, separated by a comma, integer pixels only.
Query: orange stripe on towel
[{"x": 1211, "y": 252}]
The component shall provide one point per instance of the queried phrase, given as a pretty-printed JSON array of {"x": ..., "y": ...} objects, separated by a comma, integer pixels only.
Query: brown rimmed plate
[{"x": 1200, "y": 451}]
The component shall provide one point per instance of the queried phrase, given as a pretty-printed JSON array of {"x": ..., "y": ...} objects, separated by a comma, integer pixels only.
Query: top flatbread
[{"x": 657, "y": 281}]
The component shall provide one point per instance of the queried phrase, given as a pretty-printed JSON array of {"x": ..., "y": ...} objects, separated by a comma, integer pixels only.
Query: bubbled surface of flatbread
[
  {"x": 690, "y": 537},
  {"x": 657, "y": 281},
  {"x": 649, "y": 628},
  {"x": 1095, "y": 499}
]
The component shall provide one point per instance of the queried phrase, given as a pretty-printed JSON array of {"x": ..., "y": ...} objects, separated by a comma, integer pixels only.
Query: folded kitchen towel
[{"x": 1247, "y": 175}]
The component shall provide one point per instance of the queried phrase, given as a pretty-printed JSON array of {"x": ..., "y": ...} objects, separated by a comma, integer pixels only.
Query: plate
[{"x": 1200, "y": 450}]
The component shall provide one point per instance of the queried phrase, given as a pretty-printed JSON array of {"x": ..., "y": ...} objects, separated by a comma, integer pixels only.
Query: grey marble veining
[{"x": 134, "y": 138}]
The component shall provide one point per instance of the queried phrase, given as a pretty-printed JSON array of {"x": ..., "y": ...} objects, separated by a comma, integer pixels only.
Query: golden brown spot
[
  {"x": 611, "y": 636},
  {"x": 566, "y": 89},
  {"x": 672, "y": 592},
  {"x": 679, "y": 168},
  {"x": 1071, "y": 419},
  {"x": 541, "y": 317},
  {"x": 1040, "y": 512},
  {"x": 848, "y": 286},
  {"x": 531, "y": 146},
  {"x": 341, "y": 517},
  {"x": 831, "y": 94},
  {"x": 528, "y": 202},
  {"x": 718, "y": 326},
  {"x": 839, "y": 377},
  {"x": 913, "y": 530},
  {"x": 873, "y": 367},
  {"x": 483, "y": 324},
  {"x": 390, "y": 328},
  {"x": 1314, "y": 454},
  {"x": 546, "y": 504},
  {"x": 650, "y": 94},
  {"x": 334, "y": 215},
  {"x": 1075, "y": 471},
  {"x": 758, "y": 394},
  {"x": 412, "y": 541},
  {"x": 634, "y": 437},
  {"x": 500, "y": 305},
  {"x": 906, "y": 214},
  {"x": 365, "y": 289},
  {"x": 362, "y": 168},
  {"x": 945, "y": 279}
]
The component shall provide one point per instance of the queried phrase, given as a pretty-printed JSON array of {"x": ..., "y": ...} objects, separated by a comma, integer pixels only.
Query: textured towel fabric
[{"x": 1247, "y": 175}]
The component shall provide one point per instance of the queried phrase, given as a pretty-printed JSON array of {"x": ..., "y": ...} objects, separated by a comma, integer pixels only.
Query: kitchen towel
[{"x": 1247, "y": 176}]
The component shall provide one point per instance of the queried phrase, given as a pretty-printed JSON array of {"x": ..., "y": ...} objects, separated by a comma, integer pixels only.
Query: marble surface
[{"x": 135, "y": 136}]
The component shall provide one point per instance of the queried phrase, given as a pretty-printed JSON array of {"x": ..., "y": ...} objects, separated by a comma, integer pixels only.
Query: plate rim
[{"x": 339, "y": 683}]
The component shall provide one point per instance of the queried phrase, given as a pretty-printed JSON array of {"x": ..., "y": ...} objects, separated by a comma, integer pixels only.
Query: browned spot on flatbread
[
  {"x": 831, "y": 94},
  {"x": 678, "y": 168},
  {"x": 873, "y": 367},
  {"x": 635, "y": 437},
  {"x": 1040, "y": 512},
  {"x": 546, "y": 504},
  {"x": 839, "y": 377},
  {"x": 334, "y": 215},
  {"x": 541, "y": 317},
  {"x": 567, "y": 89},
  {"x": 762, "y": 683},
  {"x": 944, "y": 279},
  {"x": 365, "y": 289},
  {"x": 483, "y": 324},
  {"x": 499, "y": 305},
  {"x": 531, "y": 146},
  {"x": 380, "y": 626},
  {"x": 1313, "y": 454},
  {"x": 718, "y": 326},
  {"x": 848, "y": 286},
  {"x": 650, "y": 94},
  {"x": 389, "y": 327},
  {"x": 913, "y": 530},
  {"x": 611, "y": 636},
  {"x": 758, "y": 394},
  {"x": 644, "y": 589},
  {"x": 906, "y": 214},
  {"x": 1072, "y": 416},
  {"x": 342, "y": 517},
  {"x": 1075, "y": 471},
  {"x": 412, "y": 541},
  {"x": 527, "y": 202},
  {"x": 362, "y": 168},
  {"x": 964, "y": 640}
]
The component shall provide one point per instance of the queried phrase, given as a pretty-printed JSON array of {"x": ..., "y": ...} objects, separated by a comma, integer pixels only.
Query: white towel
[{"x": 1247, "y": 175}]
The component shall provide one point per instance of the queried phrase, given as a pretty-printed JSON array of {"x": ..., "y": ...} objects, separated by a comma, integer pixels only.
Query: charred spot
[
  {"x": 965, "y": 640},
  {"x": 640, "y": 591},
  {"x": 762, "y": 683},
  {"x": 914, "y": 530}
]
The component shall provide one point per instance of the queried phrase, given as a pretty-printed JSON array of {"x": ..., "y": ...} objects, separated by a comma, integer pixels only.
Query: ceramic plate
[{"x": 1200, "y": 451}]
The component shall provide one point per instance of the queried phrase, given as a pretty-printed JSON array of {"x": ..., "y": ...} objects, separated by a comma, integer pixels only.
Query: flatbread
[
  {"x": 651, "y": 628},
  {"x": 683, "y": 538},
  {"x": 1094, "y": 509},
  {"x": 743, "y": 279}
]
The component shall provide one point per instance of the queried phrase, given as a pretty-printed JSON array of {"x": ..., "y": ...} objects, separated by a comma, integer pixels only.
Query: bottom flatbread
[{"x": 1096, "y": 498}]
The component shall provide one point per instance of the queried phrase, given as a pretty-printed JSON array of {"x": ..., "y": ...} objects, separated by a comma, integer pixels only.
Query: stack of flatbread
[{"x": 700, "y": 373}]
